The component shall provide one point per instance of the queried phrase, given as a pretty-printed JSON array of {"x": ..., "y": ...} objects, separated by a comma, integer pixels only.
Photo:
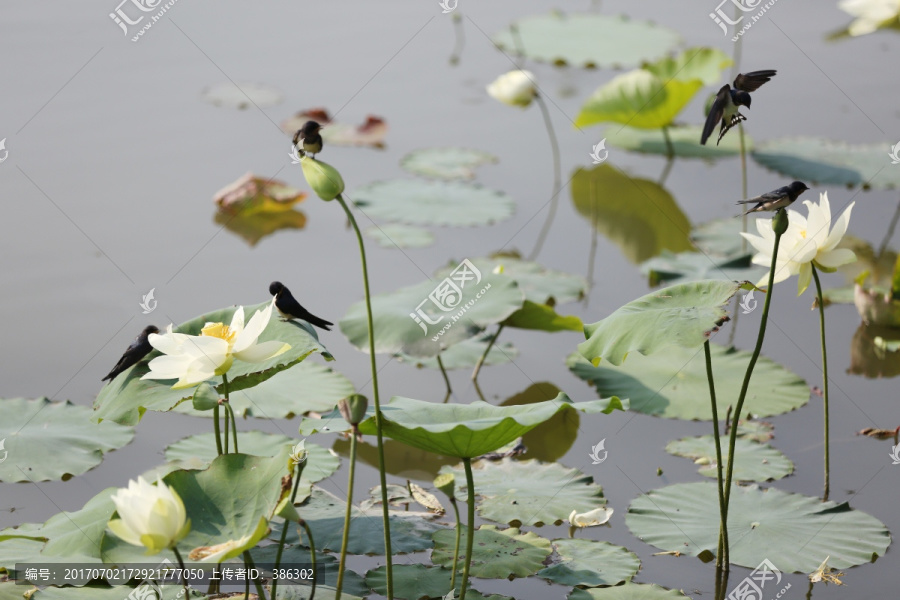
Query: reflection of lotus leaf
[
  {"x": 876, "y": 307},
  {"x": 638, "y": 215},
  {"x": 685, "y": 142},
  {"x": 550, "y": 440},
  {"x": 413, "y": 582},
  {"x": 255, "y": 227},
  {"x": 870, "y": 360}
]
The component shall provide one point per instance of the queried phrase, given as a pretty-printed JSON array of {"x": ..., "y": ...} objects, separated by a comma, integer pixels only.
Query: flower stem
[
  {"x": 732, "y": 438},
  {"x": 444, "y": 373},
  {"x": 824, "y": 381},
  {"x": 312, "y": 552},
  {"x": 557, "y": 178},
  {"x": 483, "y": 357},
  {"x": 379, "y": 418},
  {"x": 470, "y": 527},
  {"x": 248, "y": 562},
  {"x": 722, "y": 553},
  {"x": 229, "y": 412},
  {"x": 346, "y": 535},
  {"x": 183, "y": 570},
  {"x": 227, "y": 419},
  {"x": 216, "y": 430},
  {"x": 456, "y": 547},
  {"x": 284, "y": 529},
  {"x": 743, "y": 183},
  {"x": 233, "y": 425},
  {"x": 670, "y": 149}
]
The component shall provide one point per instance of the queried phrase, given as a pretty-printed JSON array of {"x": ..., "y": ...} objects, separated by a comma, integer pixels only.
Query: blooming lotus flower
[
  {"x": 808, "y": 241},
  {"x": 516, "y": 88},
  {"x": 598, "y": 516},
  {"x": 299, "y": 454},
  {"x": 149, "y": 515},
  {"x": 193, "y": 359},
  {"x": 870, "y": 14}
]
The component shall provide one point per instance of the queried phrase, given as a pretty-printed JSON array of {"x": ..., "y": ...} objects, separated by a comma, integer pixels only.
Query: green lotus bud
[
  {"x": 353, "y": 408},
  {"x": 324, "y": 179},
  {"x": 205, "y": 397},
  {"x": 780, "y": 222},
  {"x": 446, "y": 482}
]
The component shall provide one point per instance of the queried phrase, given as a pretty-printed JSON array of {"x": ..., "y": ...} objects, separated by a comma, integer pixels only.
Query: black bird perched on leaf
[
  {"x": 289, "y": 308},
  {"x": 728, "y": 101},
  {"x": 138, "y": 349},
  {"x": 309, "y": 133},
  {"x": 780, "y": 198}
]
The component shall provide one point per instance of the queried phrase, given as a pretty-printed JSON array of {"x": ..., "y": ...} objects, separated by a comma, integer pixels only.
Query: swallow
[
  {"x": 138, "y": 349},
  {"x": 780, "y": 198},
  {"x": 309, "y": 133},
  {"x": 289, "y": 308},
  {"x": 725, "y": 108}
]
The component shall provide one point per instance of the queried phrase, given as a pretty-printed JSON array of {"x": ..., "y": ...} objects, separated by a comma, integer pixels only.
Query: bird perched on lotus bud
[{"x": 309, "y": 134}]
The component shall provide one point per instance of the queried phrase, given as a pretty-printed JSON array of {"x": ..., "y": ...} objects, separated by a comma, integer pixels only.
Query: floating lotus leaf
[
  {"x": 400, "y": 460},
  {"x": 370, "y": 133},
  {"x": 753, "y": 461},
  {"x": 396, "y": 235},
  {"x": 126, "y": 398},
  {"x": 586, "y": 40},
  {"x": 231, "y": 502},
  {"x": 119, "y": 592},
  {"x": 326, "y": 572},
  {"x": 629, "y": 591},
  {"x": 794, "y": 532},
  {"x": 324, "y": 513},
  {"x": 465, "y": 354},
  {"x": 482, "y": 299},
  {"x": 590, "y": 563},
  {"x": 683, "y": 315},
  {"x": 42, "y": 440},
  {"x": 415, "y": 582},
  {"x": 757, "y": 431},
  {"x": 422, "y": 202},
  {"x": 242, "y": 95},
  {"x": 496, "y": 554},
  {"x": 529, "y": 492},
  {"x": 697, "y": 266},
  {"x": 673, "y": 384},
  {"x": 446, "y": 163},
  {"x": 638, "y": 215},
  {"x": 542, "y": 317},
  {"x": 320, "y": 463},
  {"x": 305, "y": 387},
  {"x": 819, "y": 161},
  {"x": 685, "y": 142}
]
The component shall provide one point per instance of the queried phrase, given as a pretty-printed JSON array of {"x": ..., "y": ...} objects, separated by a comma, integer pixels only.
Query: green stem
[
  {"x": 743, "y": 183},
  {"x": 312, "y": 552},
  {"x": 444, "y": 373},
  {"x": 229, "y": 412},
  {"x": 824, "y": 381},
  {"x": 557, "y": 178},
  {"x": 345, "y": 539},
  {"x": 483, "y": 357},
  {"x": 183, "y": 576},
  {"x": 470, "y": 527},
  {"x": 227, "y": 419},
  {"x": 233, "y": 426},
  {"x": 284, "y": 529},
  {"x": 216, "y": 430},
  {"x": 456, "y": 547},
  {"x": 722, "y": 553},
  {"x": 248, "y": 562},
  {"x": 732, "y": 438},
  {"x": 379, "y": 418},
  {"x": 670, "y": 149}
]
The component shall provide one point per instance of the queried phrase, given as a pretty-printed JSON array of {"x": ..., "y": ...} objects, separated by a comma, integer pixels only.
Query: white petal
[
  {"x": 836, "y": 258},
  {"x": 168, "y": 366},
  {"x": 237, "y": 320},
  {"x": 262, "y": 352},
  {"x": 248, "y": 336},
  {"x": 840, "y": 228},
  {"x": 805, "y": 278}
]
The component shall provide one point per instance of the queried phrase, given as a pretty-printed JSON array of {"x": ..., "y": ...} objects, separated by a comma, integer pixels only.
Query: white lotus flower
[
  {"x": 193, "y": 359},
  {"x": 808, "y": 241},
  {"x": 149, "y": 515},
  {"x": 516, "y": 88},
  {"x": 598, "y": 516},
  {"x": 870, "y": 14},
  {"x": 299, "y": 454}
]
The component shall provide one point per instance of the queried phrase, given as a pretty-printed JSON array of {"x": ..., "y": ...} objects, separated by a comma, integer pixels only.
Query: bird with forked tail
[
  {"x": 726, "y": 107},
  {"x": 289, "y": 308}
]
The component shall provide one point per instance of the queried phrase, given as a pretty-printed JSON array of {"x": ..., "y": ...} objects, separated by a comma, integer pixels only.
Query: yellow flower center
[
  {"x": 219, "y": 330},
  {"x": 803, "y": 234}
]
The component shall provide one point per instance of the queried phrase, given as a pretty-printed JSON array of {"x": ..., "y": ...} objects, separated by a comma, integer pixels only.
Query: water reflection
[
  {"x": 552, "y": 439},
  {"x": 869, "y": 360}
]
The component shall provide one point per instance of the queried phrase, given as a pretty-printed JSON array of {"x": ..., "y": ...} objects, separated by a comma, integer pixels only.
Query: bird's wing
[
  {"x": 767, "y": 197},
  {"x": 715, "y": 113},
  {"x": 750, "y": 82}
]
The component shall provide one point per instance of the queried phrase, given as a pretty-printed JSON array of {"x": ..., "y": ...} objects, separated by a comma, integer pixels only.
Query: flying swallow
[
  {"x": 289, "y": 308},
  {"x": 780, "y": 198},
  {"x": 309, "y": 133},
  {"x": 728, "y": 101},
  {"x": 138, "y": 349}
]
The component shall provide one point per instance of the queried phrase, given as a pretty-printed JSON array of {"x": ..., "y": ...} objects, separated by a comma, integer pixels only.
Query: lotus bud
[
  {"x": 299, "y": 454},
  {"x": 324, "y": 179},
  {"x": 353, "y": 408},
  {"x": 446, "y": 482},
  {"x": 150, "y": 515},
  {"x": 780, "y": 222}
]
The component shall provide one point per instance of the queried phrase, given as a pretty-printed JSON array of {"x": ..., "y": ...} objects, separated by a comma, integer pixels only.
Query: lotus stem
[
  {"x": 666, "y": 170},
  {"x": 470, "y": 527},
  {"x": 284, "y": 530},
  {"x": 483, "y": 357},
  {"x": 183, "y": 570},
  {"x": 722, "y": 553},
  {"x": 229, "y": 411},
  {"x": 460, "y": 39},
  {"x": 732, "y": 438},
  {"x": 379, "y": 418},
  {"x": 456, "y": 547},
  {"x": 233, "y": 425},
  {"x": 743, "y": 183},
  {"x": 346, "y": 535},
  {"x": 248, "y": 562},
  {"x": 218, "y": 435},
  {"x": 312, "y": 552},
  {"x": 824, "y": 381},
  {"x": 557, "y": 178},
  {"x": 227, "y": 418},
  {"x": 670, "y": 149},
  {"x": 444, "y": 373}
]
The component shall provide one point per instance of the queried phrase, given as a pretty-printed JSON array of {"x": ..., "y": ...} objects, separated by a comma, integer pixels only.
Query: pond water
[{"x": 114, "y": 158}]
